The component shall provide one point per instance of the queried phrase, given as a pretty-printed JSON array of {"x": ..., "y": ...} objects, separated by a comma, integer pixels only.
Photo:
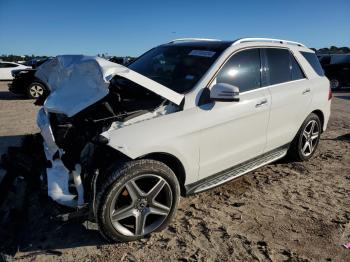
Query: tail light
[{"x": 330, "y": 94}]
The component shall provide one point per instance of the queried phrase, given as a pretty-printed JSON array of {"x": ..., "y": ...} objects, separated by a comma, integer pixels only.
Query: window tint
[
  {"x": 340, "y": 59},
  {"x": 278, "y": 65},
  {"x": 297, "y": 73},
  {"x": 242, "y": 70},
  {"x": 313, "y": 61},
  {"x": 178, "y": 67}
]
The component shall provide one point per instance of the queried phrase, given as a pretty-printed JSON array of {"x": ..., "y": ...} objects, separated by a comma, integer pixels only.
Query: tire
[
  {"x": 335, "y": 84},
  {"x": 309, "y": 132},
  {"x": 35, "y": 90},
  {"x": 121, "y": 188}
]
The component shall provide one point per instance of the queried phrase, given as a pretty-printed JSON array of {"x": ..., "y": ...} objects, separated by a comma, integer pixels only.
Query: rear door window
[
  {"x": 278, "y": 65},
  {"x": 242, "y": 70},
  {"x": 314, "y": 62}
]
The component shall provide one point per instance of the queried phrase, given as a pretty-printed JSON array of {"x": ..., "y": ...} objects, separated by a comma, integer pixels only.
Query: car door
[
  {"x": 235, "y": 131},
  {"x": 6, "y": 69},
  {"x": 2, "y": 71},
  {"x": 290, "y": 96}
]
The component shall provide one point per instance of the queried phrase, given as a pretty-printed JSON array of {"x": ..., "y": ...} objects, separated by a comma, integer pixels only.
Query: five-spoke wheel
[
  {"x": 35, "y": 90},
  {"x": 306, "y": 141},
  {"x": 140, "y": 197},
  {"x": 138, "y": 210},
  {"x": 310, "y": 138}
]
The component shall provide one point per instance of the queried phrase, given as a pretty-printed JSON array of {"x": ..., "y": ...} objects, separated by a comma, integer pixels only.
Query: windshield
[{"x": 177, "y": 67}]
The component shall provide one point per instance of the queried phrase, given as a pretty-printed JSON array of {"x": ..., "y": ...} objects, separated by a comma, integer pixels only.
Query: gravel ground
[{"x": 282, "y": 212}]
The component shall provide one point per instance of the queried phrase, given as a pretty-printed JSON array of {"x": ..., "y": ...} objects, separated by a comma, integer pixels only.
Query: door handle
[
  {"x": 261, "y": 103},
  {"x": 307, "y": 90}
]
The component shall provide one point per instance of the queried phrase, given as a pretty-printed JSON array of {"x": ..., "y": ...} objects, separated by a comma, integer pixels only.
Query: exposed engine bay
[{"x": 73, "y": 144}]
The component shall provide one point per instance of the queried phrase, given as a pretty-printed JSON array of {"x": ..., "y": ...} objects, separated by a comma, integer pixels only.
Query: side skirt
[{"x": 236, "y": 171}]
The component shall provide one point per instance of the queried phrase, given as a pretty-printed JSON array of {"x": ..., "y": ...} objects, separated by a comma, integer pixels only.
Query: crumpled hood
[{"x": 78, "y": 81}]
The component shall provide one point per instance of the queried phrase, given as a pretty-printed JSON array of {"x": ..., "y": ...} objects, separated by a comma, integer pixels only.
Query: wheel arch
[
  {"x": 320, "y": 115},
  {"x": 173, "y": 163}
]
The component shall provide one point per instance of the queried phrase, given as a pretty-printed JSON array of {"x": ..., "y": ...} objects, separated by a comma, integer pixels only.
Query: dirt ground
[{"x": 282, "y": 212}]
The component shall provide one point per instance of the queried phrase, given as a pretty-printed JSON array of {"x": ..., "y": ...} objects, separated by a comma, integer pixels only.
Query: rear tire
[
  {"x": 306, "y": 141},
  {"x": 129, "y": 205}
]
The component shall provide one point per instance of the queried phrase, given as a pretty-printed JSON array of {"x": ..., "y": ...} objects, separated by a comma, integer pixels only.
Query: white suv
[{"x": 184, "y": 117}]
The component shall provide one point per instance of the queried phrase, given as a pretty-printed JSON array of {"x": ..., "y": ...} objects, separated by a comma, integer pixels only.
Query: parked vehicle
[
  {"x": 337, "y": 69},
  {"x": 121, "y": 60},
  {"x": 6, "y": 69},
  {"x": 184, "y": 117},
  {"x": 25, "y": 83},
  {"x": 34, "y": 63}
]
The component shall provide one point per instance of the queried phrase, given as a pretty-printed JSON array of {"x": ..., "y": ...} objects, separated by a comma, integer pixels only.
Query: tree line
[
  {"x": 15, "y": 58},
  {"x": 333, "y": 50}
]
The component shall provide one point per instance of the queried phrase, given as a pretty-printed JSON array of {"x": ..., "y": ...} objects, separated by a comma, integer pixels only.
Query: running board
[{"x": 236, "y": 171}]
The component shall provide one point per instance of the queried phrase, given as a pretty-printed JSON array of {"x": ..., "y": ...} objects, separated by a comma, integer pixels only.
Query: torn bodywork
[{"x": 90, "y": 96}]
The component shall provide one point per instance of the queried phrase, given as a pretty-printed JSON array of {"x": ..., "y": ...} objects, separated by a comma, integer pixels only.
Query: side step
[{"x": 236, "y": 171}]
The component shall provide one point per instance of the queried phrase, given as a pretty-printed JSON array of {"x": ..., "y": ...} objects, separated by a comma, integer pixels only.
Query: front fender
[{"x": 159, "y": 135}]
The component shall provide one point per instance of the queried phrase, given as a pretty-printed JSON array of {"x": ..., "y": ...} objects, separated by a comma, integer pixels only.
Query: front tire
[
  {"x": 306, "y": 141},
  {"x": 138, "y": 198}
]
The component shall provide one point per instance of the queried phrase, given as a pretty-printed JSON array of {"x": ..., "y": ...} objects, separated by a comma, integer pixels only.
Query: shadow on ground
[
  {"x": 41, "y": 232},
  {"x": 6, "y": 141},
  {"x": 345, "y": 138},
  {"x": 28, "y": 217},
  {"x": 6, "y": 95}
]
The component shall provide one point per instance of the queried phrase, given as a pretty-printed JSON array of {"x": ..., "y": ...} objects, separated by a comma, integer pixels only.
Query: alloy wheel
[
  {"x": 310, "y": 138},
  {"x": 36, "y": 91},
  {"x": 141, "y": 205},
  {"x": 334, "y": 83}
]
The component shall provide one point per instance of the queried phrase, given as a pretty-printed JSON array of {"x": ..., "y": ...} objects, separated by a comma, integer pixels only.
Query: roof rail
[
  {"x": 281, "y": 41},
  {"x": 192, "y": 39}
]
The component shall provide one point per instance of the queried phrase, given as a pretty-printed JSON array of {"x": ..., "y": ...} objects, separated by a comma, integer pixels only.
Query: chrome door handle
[
  {"x": 307, "y": 90},
  {"x": 261, "y": 103}
]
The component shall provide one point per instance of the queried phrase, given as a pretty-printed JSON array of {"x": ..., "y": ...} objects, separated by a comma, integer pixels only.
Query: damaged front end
[{"x": 89, "y": 96}]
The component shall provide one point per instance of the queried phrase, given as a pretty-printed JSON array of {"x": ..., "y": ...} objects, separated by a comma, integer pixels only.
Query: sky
[{"x": 121, "y": 28}]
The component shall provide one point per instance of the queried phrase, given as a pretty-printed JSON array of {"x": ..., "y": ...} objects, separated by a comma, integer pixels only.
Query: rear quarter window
[{"x": 314, "y": 62}]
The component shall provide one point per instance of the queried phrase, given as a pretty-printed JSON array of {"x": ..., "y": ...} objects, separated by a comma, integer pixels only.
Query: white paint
[
  {"x": 7, "y": 67},
  {"x": 210, "y": 138}
]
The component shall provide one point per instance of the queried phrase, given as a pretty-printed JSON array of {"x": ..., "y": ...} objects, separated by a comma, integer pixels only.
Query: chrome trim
[
  {"x": 236, "y": 171},
  {"x": 281, "y": 41},
  {"x": 192, "y": 39}
]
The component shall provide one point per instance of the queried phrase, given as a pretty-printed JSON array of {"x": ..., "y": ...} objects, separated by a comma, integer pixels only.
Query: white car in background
[
  {"x": 184, "y": 117},
  {"x": 7, "y": 67}
]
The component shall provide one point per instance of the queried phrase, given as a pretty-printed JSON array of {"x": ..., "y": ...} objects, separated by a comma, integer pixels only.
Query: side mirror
[{"x": 224, "y": 92}]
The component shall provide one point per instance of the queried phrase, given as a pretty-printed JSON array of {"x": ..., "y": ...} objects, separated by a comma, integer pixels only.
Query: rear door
[{"x": 290, "y": 96}]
